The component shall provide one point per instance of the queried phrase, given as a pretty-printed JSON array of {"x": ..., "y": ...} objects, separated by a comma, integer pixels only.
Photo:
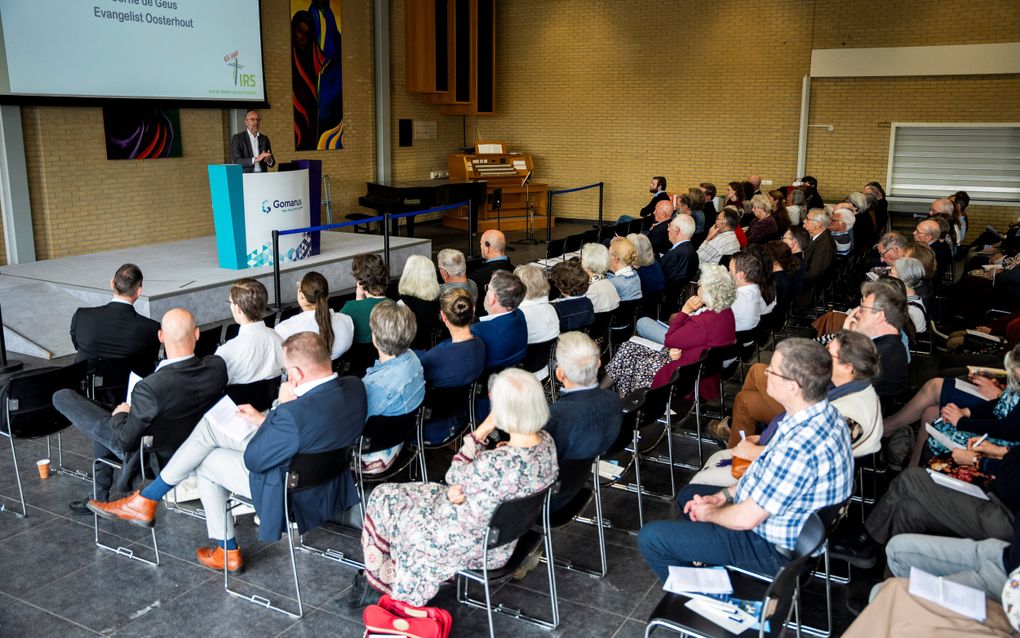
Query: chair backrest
[
  {"x": 513, "y": 518},
  {"x": 606, "y": 233},
  {"x": 779, "y": 595},
  {"x": 537, "y": 356},
  {"x": 716, "y": 357},
  {"x": 625, "y": 316},
  {"x": 622, "y": 229},
  {"x": 574, "y": 473},
  {"x": 384, "y": 432},
  {"x": 599, "y": 328},
  {"x": 647, "y": 222},
  {"x": 554, "y": 248},
  {"x": 259, "y": 394},
  {"x": 443, "y": 403},
  {"x": 28, "y": 407},
  {"x": 208, "y": 340},
  {"x": 832, "y": 515},
  {"x": 312, "y": 469},
  {"x": 590, "y": 236},
  {"x": 573, "y": 243},
  {"x": 109, "y": 377},
  {"x": 635, "y": 225},
  {"x": 747, "y": 340},
  {"x": 169, "y": 434}
]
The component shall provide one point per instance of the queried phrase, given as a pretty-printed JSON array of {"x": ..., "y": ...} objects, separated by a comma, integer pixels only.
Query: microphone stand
[{"x": 529, "y": 220}]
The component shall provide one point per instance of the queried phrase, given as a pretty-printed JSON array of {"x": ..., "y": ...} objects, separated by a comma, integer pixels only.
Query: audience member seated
[
  {"x": 778, "y": 199},
  {"x": 692, "y": 203},
  {"x": 182, "y": 387},
  {"x": 586, "y": 419},
  {"x": 708, "y": 203},
  {"x": 911, "y": 272},
  {"x": 810, "y": 186},
  {"x": 754, "y": 284},
  {"x": 658, "y": 234},
  {"x": 863, "y": 226},
  {"x": 680, "y": 263},
  {"x": 116, "y": 330},
  {"x": 372, "y": 278},
  {"x": 961, "y": 201},
  {"x": 795, "y": 208},
  {"x": 504, "y": 330},
  {"x": 763, "y": 227},
  {"x": 255, "y": 353},
  {"x": 418, "y": 535},
  {"x": 926, "y": 287},
  {"x": 595, "y": 262},
  {"x": 454, "y": 362},
  {"x": 818, "y": 256},
  {"x": 622, "y": 264},
  {"x": 854, "y": 366},
  {"x": 493, "y": 248},
  {"x": 881, "y": 317},
  {"x": 395, "y": 385},
  {"x": 453, "y": 271},
  {"x": 574, "y": 309},
  {"x": 841, "y": 227},
  {"x": 959, "y": 414},
  {"x": 316, "y": 412},
  {"x": 539, "y": 314},
  {"x": 337, "y": 329},
  {"x": 806, "y": 465},
  {"x": 929, "y": 232},
  {"x": 721, "y": 239},
  {"x": 798, "y": 240},
  {"x": 657, "y": 187},
  {"x": 705, "y": 321},
  {"x": 787, "y": 277},
  {"x": 892, "y": 246},
  {"x": 419, "y": 291},
  {"x": 734, "y": 196},
  {"x": 879, "y": 207},
  {"x": 648, "y": 270}
]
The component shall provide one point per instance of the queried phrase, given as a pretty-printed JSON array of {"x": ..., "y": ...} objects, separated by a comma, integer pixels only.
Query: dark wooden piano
[{"x": 397, "y": 197}]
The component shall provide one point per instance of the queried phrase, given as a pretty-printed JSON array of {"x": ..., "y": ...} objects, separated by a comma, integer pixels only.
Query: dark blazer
[
  {"x": 328, "y": 417},
  {"x": 505, "y": 337},
  {"x": 584, "y": 423},
  {"x": 481, "y": 277},
  {"x": 240, "y": 152},
  {"x": 943, "y": 258},
  {"x": 177, "y": 394},
  {"x": 574, "y": 313},
  {"x": 710, "y": 213},
  {"x": 658, "y": 235},
  {"x": 650, "y": 208},
  {"x": 113, "y": 331},
  {"x": 818, "y": 257},
  {"x": 680, "y": 264}
]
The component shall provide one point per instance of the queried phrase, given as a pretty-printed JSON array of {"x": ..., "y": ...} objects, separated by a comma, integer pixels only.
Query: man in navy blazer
[
  {"x": 316, "y": 412},
  {"x": 680, "y": 263},
  {"x": 504, "y": 329}
]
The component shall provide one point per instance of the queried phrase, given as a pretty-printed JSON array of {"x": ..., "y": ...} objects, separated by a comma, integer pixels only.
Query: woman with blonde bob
[
  {"x": 418, "y": 535},
  {"x": 649, "y": 272},
  {"x": 623, "y": 262},
  {"x": 419, "y": 291}
]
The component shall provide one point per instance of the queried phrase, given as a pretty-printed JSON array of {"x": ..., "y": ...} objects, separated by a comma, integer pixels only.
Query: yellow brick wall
[{"x": 83, "y": 203}]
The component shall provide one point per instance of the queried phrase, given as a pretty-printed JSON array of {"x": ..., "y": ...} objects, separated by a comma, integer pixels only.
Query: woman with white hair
[
  {"x": 419, "y": 291},
  {"x": 764, "y": 226},
  {"x": 419, "y": 535},
  {"x": 705, "y": 321},
  {"x": 911, "y": 272},
  {"x": 652, "y": 278},
  {"x": 595, "y": 262},
  {"x": 539, "y": 314}
]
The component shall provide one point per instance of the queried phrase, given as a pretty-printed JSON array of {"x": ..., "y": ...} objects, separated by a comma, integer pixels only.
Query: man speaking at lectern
[{"x": 251, "y": 149}]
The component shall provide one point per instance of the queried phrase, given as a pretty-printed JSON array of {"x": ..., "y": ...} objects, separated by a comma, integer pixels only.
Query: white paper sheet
[
  {"x": 944, "y": 440},
  {"x": 959, "y": 486},
  {"x": 969, "y": 388},
  {"x": 735, "y": 622},
  {"x": 651, "y": 345},
  {"x": 964, "y": 600},
  {"x": 223, "y": 416},
  {"x": 705, "y": 580},
  {"x": 133, "y": 380}
]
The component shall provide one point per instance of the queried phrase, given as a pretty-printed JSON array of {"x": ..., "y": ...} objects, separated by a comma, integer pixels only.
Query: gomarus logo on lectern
[{"x": 282, "y": 205}]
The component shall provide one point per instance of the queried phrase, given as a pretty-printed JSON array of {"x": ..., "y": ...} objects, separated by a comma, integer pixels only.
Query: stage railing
[
  {"x": 549, "y": 204},
  {"x": 385, "y": 218}
]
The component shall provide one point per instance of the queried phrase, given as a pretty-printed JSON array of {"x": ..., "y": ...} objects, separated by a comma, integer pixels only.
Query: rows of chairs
[{"x": 601, "y": 234}]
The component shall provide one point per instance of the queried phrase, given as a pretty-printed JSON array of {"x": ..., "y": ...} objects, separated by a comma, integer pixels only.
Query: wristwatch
[
  {"x": 727, "y": 496},
  {"x": 977, "y": 460}
]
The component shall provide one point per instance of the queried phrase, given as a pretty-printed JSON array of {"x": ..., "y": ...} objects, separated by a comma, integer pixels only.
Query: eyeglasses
[
  {"x": 781, "y": 376},
  {"x": 871, "y": 308},
  {"x": 230, "y": 302}
]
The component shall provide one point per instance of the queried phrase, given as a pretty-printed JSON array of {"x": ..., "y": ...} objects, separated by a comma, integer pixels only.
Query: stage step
[{"x": 37, "y": 317}]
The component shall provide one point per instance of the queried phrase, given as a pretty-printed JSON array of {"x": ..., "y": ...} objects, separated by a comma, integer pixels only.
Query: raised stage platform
[{"x": 39, "y": 298}]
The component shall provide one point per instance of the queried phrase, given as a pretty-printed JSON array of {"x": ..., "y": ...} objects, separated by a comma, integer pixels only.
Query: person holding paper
[
  {"x": 806, "y": 466},
  {"x": 250, "y": 148},
  {"x": 316, "y": 412},
  {"x": 182, "y": 387}
]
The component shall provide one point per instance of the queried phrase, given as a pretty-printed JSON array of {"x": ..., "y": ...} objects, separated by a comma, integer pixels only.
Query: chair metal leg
[
  {"x": 78, "y": 474},
  {"x": 600, "y": 525},
  {"x": 17, "y": 476},
  {"x": 328, "y": 553},
  {"x": 120, "y": 550},
  {"x": 637, "y": 479}
]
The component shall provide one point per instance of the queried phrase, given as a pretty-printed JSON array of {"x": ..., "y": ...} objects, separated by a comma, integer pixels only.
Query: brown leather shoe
[
  {"x": 135, "y": 509},
  {"x": 212, "y": 557}
]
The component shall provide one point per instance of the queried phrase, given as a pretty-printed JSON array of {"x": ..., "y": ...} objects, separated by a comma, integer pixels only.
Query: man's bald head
[
  {"x": 178, "y": 333},
  {"x": 927, "y": 231},
  {"x": 663, "y": 210},
  {"x": 941, "y": 207},
  {"x": 755, "y": 181},
  {"x": 493, "y": 244}
]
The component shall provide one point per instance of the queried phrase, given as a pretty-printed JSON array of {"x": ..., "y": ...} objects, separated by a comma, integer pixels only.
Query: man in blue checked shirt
[{"x": 806, "y": 465}]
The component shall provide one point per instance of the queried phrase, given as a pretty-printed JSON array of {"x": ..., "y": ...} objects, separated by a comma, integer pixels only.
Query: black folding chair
[
  {"x": 108, "y": 378},
  {"x": 573, "y": 243},
  {"x": 28, "y": 413},
  {"x": 538, "y": 361},
  {"x": 590, "y": 236},
  {"x": 208, "y": 340},
  {"x": 779, "y": 597},
  {"x": 452, "y": 406},
  {"x": 514, "y": 520},
  {"x": 621, "y": 326},
  {"x": 305, "y": 471},
  {"x": 383, "y": 433},
  {"x": 573, "y": 476},
  {"x": 259, "y": 394},
  {"x": 360, "y": 358},
  {"x": 554, "y": 248},
  {"x": 598, "y": 329}
]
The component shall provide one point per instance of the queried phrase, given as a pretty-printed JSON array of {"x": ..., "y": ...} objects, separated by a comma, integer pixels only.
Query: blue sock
[
  {"x": 156, "y": 490},
  {"x": 229, "y": 544}
]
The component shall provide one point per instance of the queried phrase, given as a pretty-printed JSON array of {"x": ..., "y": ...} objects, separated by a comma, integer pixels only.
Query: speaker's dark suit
[
  {"x": 240, "y": 152},
  {"x": 113, "y": 331},
  {"x": 328, "y": 417}
]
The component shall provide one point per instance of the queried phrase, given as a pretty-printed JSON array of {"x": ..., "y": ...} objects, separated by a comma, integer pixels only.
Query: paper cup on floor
[{"x": 44, "y": 468}]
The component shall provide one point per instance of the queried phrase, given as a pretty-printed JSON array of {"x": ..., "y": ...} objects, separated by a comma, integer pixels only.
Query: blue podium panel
[{"x": 226, "y": 189}]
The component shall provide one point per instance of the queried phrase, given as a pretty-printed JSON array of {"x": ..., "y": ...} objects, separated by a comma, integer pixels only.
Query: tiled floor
[{"x": 55, "y": 582}]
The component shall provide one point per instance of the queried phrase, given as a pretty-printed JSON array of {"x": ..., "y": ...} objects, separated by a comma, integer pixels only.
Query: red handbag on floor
[{"x": 395, "y": 618}]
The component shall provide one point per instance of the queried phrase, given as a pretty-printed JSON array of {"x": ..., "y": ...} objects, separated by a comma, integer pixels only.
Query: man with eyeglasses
[
  {"x": 881, "y": 316},
  {"x": 819, "y": 254},
  {"x": 255, "y": 353},
  {"x": 929, "y": 232},
  {"x": 806, "y": 465},
  {"x": 891, "y": 247}
]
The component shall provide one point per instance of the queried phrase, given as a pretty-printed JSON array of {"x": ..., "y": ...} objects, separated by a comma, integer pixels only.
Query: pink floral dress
[{"x": 415, "y": 538}]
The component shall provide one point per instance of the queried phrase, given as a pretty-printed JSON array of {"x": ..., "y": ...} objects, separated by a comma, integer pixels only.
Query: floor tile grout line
[{"x": 51, "y": 613}]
